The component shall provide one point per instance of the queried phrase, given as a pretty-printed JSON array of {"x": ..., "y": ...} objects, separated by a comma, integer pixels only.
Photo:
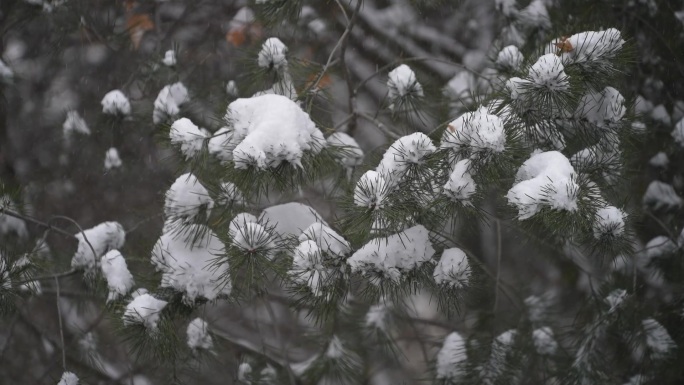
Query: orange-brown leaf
[
  {"x": 563, "y": 45},
  {"x": 137, "y": 24},
  {"x": 236, "y": 36}
]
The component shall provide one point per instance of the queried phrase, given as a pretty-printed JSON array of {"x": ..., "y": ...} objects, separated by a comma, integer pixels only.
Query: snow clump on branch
[
  {"x": 477, "y": 131},
  {"x": 186, "y": 198},
  {"x": 116, "y": 103},
  {"x": 452, "y": 269},
  {"x": 145, "y": 310},
  {"x": 545, "y": 179},
  {"x": 402, "y": 83},
  {"x": 187, "y": 263},
  {"x": 265, "y": 131},
  {"x": 169, "y": 101},
  {"x": 188, "y": 136},
  {"x": 451, "y": 358},
  {"x": 393, "y": 256},
  {"x": 103, "y": 238},
  {"x": 119, "y": 279},
  {"x": 198, "y": 335}
]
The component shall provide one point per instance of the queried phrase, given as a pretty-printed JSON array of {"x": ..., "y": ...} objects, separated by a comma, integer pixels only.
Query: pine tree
[{"x": 494, "y": 239}]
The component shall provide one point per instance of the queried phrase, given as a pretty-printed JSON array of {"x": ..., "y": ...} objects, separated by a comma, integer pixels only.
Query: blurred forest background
[{"x": 65, "y": 55}]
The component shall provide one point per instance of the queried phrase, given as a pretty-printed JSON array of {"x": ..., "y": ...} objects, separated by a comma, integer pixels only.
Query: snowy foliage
[
  {"x": 351, "y": 155},
  {"x": 404, "y": 152},
  {"x": 326, "y": 239},
  {"x": 119, "y": 279},
  {"x": 187, "y": 263},
  {"x": 169, "y": 59},
  {"x": 186, "y": 199},
  {"x": 68, "y": 378},
  {"x": 603, "y": 108},
  {"x": 461, "y": 185},
  {"x": 548, "y": 72},
  {"x": 273, "y": 54},
  {"x": 477, "y": 132},
  {"x": 545, "y": 179},
  {"x": 169, "y": 101},
  {"x": 660, "y": 195},
  {"x": 609, "y": 221},
  {"x": 145, "y": 310},
  {"x": 509, "y": 58},
  {"x": 591, "y": 46},
  {"x": 95, "y": 242},
  {"x": 371, "y": 190},
  {"x": 116, "y": 103},
  {"x": 402, "y": 83},
  {"x": 394, "y": 256},
  {"x": 452, "y": 269},
  {"x": 112, "y": 159},
  {"x": 268, "y": 130},
  {"x": 658, "y": 340},
  {"x": 451, "y": 358},
  {"x": 188, "y": 136},
  {"x": 198, "y": 335},
  {"x": 544, "y": 341},
  {"x": 74, "y": 123}
]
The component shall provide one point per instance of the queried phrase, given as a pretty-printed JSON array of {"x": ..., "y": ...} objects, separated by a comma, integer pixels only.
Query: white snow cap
[
  {"x": 544, "y": 342},
  {"x": 230, "y": 195},
  {"x": 169, "y": 101},
  {"x": 270, "y": 129},
  {"x": 232, "y": 89},
  {"x": 119, "y": 279},
  {"x": 188, "y": 136},
  {"x": 68, "y": 378},
  {"x": 659, "y": 246},
  {"x": 290, "y": 218},
  {"x": 603, "y": 108},
  {"x": 588, "y": 46},
  {"x": 451, "y": 358},
  {"x": 116, "y": 103},
  {"x": 535, "y": 15},
  {"x": 678, "y": 132},
  {"x": 112, "y": 159},
  {"x": 510, "y": 58},
  {"x": 546, "y": 179},
  {"x": 391, "y": 256},
  {"x": 658, "y": 339},
  {"x": 452, "y": 269},
  {"x": 74, "y": 123},
  {"x": 103, "y": 238},
  {"x": 461, "y": 185},
  {"x": 402, "y": 82},
  {"x": 371, "y": 190},
  {"x": 253, "y": 236},
  {"x": 405, "y": 151},
  {"x": 351, "y": 154},
  {"x": 548, "y": 72},
  {"x": 144, "y": 309},
  {"x": 169, "y": 58},
  {"x": 5, "y": 71},
  {"x": 377, "y": 316},
  {"x": 326, "y": 239},
  {"x": 198, "y": 335},
  {"x": 222, "y": 144},
  {"x": 185, "y": 199},
  {"x": 188, "y": 263},
  {"x": 245, "y": 372},
  {"x": 477, "y": 131},
  {"x": 241, "y": 220},
  {"x": 307, "y": 266},
  {"x": 273, "y": 54},
  {"x": 609, "y": 221},
  {"x": 661, "y": 195}
]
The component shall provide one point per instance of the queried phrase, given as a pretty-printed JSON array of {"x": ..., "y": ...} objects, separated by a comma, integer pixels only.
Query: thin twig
[
  {"x": 379, "y": 124},
  {"x": 498, "y": 265},
  {"x": 36, "y": 222},
  {"x": 61, "y": 327}
]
